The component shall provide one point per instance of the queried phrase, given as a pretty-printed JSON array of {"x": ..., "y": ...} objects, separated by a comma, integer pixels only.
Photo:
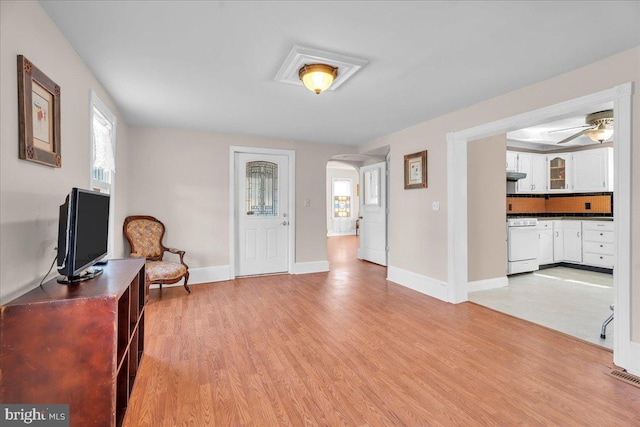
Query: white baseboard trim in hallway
[
  {"x": 345, "y": 233},
  {"x": 311, "y": 267},
  {"x": 486, "y": 284},
  {"x": 423, "y": 284}
]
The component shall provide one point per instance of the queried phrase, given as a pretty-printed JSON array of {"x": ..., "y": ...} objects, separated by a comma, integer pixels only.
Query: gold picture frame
[
  {"x": 38, "y": 116},
  {"x": 415, "y": 170}
]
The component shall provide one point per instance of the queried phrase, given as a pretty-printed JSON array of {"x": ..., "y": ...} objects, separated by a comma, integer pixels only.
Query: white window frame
[
  {"x": 333, "y": 198},
  {"x": 97, "y": 104}
]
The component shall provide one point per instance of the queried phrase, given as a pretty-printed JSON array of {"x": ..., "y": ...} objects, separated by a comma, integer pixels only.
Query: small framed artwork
[
  {"x": 415, "y": 170},
  {"x": 38, "y": 116}
]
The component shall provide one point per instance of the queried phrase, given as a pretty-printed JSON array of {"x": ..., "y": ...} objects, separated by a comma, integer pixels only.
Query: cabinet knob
[{"x": 601, "y": 234}]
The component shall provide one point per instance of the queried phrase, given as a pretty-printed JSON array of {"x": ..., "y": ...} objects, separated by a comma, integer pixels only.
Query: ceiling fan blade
[
  {"x": 582, "y": 132},
  {"x": 577, "y": 127}
]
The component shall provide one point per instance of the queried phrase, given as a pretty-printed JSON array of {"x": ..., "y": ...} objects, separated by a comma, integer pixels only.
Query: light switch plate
[{"x": 435, "y": 206}]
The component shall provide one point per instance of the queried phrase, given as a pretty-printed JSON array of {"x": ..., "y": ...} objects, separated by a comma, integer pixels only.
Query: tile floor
[{"x": 568, "y": 300}]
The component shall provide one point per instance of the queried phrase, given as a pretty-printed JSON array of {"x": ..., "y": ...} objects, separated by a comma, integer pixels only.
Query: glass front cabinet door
[{"x": 559, "y": 172}]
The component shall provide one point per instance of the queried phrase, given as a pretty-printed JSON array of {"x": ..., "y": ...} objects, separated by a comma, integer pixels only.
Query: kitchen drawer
[
  {"x": 597, "y": 225},
  {"x": 598, "y": 236},
  {"x": 598, "y": 248},
  {"x": 596, "y": 260}
]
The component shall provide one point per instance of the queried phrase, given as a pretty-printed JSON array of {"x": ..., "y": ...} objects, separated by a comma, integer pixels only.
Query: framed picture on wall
[
  {"x": 38, "y": 116},
  {"x": 415, "y": 170}
]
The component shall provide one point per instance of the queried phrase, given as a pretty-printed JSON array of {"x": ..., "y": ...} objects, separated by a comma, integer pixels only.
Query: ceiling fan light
[
  {"x": 317, "y": 77},
  {"x": 601, "y": 133}
]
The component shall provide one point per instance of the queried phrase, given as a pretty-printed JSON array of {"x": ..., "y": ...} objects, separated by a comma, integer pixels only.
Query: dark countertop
[{"x": 574, "y": 218}]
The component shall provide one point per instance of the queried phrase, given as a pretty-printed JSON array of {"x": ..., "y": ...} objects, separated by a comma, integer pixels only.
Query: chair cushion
[
  {"x": 145, "y": 236},
  {"x": 164, "y": 270}
]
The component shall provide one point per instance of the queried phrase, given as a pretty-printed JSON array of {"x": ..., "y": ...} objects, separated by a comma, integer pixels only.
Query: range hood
[{"x": 515, "y": 176}]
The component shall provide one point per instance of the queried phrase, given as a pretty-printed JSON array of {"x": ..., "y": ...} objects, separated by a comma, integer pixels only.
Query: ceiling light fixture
[
  {"x": 317, "y": 77},
  {"x": 601, "y": 133}
]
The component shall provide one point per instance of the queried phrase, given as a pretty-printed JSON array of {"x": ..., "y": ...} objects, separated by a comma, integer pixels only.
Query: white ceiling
[{"x": 211, "y": 65}]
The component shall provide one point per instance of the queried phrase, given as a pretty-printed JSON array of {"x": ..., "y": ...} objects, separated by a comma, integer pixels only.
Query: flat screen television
[{"x": 83, "y": 234}]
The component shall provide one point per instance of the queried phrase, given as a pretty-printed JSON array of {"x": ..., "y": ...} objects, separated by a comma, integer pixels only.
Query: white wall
[
  {"x": 30, "y": 194},
  {"x": 418, "y": 236},
  {"x": 182, "y": 178},
  {"x": 342, "y": 226}
]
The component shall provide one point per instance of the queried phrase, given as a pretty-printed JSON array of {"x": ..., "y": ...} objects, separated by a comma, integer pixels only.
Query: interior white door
[
  {"x": 373, "y": 214},
  {"x": 262, "y": 213}
]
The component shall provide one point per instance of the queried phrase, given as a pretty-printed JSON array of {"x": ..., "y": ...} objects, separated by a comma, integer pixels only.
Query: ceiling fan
[{"x": 599, "y": 127}]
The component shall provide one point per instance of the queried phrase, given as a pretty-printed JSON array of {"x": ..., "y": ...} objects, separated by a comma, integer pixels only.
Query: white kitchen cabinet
[
  {"x": 535, "y": 166},
  {"x": 598, "y": 243},
  {"x": 572, "y": 241},
  {"x": 539, "y": 170},
  {"x": 558, "y": 241},
  {"x": 559, "y": 172},
  {"x": 512, "y": 161},
  {"x": 592, "y": 170},
  {"x": 546, "y": 242}
]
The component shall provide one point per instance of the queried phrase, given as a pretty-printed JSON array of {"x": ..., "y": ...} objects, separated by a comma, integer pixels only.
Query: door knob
[{"x": 285, "y": 222}]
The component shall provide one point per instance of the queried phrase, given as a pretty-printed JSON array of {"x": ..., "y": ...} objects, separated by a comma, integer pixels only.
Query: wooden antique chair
[{"x": 145, "y": 234}]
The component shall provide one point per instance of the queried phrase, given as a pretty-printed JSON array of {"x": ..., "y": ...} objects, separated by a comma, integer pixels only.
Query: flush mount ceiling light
[
  {"x": 303, "y": 63},
  {"x": 317, "y": 77}
]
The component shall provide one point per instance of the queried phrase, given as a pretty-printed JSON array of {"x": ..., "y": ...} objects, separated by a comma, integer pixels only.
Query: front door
[
  {"x": 373, "y": 214},
  {"x": 262, "y": 213}
]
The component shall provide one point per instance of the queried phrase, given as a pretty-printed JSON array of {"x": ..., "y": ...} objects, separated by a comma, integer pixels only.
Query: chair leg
[
  {"x": 603, "y": 330},
  {"x": 186, "y": 279}
]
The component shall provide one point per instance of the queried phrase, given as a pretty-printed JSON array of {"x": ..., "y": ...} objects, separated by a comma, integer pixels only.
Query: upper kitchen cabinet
[
  {"x": 559, "y": 172},
  {"x": 593, "y": 170},
  {"x": 512, "y": 161},
  {"x": 535, "y": 166}
]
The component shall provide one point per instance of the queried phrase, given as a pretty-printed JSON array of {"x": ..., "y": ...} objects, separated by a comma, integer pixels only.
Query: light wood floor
[{"x": 350, "y": 348}]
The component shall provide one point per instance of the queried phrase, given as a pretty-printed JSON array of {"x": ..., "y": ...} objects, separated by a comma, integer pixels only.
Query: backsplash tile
[{"x": 596, "y": 204}]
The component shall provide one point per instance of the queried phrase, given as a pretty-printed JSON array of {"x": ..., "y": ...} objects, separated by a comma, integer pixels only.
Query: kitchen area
[{"x": 560, "y": 230}]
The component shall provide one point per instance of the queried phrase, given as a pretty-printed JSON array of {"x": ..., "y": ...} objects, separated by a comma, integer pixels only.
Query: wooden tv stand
[{"x": 78, "y": 344}]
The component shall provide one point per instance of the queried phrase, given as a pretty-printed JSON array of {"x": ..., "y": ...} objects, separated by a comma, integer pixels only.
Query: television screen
[{"x": 83, "y": 232}]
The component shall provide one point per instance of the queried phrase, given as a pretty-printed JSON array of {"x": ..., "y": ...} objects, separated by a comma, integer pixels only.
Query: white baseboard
[
  {"x": 344, "y": 233},
  {"x": 311, "y": 267},
  {"x": 483, "y": 285},
  {"x": 423, "y": 284},
  {"x": 216, "y": 273},
  {"x": 199, "y": 275}
]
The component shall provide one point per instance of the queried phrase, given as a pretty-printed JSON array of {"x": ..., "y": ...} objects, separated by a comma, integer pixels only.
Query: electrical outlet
[
  {"x": 435, "y": 206},
  {"x": 307, "y": 203}
]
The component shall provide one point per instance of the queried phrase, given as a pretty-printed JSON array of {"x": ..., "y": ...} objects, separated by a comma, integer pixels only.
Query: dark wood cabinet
[{"x": 78, "y": 344}]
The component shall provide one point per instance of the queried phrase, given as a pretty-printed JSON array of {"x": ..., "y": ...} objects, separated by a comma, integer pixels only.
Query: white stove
[{"x": 522, "y": 245}]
